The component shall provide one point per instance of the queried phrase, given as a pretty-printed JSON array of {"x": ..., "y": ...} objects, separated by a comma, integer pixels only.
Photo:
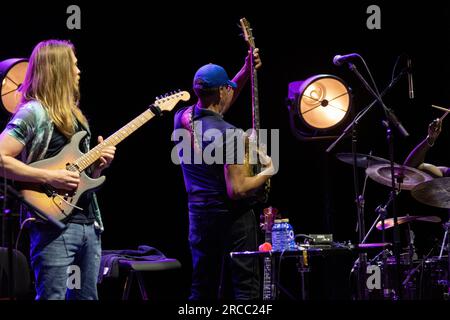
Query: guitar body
[
  {"x": 60, "y": 203},
  {"x": 261, "y": 195}
]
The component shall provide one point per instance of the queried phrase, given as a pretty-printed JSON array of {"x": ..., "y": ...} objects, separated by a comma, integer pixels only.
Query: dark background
[{"x": 129, "y": 53}]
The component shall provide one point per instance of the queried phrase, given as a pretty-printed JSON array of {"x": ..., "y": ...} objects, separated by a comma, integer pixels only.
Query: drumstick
[{"x": 443, "y": 109}]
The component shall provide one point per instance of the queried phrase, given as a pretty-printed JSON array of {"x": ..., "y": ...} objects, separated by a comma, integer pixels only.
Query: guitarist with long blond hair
[{"x": 43, "y": 124}]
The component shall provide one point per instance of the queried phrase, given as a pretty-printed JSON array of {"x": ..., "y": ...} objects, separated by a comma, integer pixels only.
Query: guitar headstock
[
  {"x": 247, "y": 32},
  {"x": 169, "y": 100},
  {"x": 268, "y": 218}
]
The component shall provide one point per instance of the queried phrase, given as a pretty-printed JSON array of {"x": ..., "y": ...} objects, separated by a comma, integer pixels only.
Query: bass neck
[{"x": 255, "y": 99}]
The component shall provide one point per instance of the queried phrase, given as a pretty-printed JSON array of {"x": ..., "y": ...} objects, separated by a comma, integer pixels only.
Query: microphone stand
[
  {"x": 359, "y": 197},
  {"x": 391, "y": 120},
  {"x": 7, "y": 240}
]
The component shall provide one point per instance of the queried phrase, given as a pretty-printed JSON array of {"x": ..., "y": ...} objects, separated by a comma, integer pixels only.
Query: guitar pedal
[{"x": 321, "y": 239}]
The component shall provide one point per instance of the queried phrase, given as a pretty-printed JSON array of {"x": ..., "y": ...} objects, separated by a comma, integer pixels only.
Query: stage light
[
  {"x": 12, "y": 74},
  {"x": 320, "y": 102}
]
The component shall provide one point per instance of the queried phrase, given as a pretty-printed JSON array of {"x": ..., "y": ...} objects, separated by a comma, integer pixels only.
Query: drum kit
[{"x": 426, "y": 278}]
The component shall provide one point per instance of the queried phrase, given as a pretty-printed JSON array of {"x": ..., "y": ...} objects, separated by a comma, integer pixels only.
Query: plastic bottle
[
  {"x": 278, "y": 236},
  {"x": 290, "y": 236}
]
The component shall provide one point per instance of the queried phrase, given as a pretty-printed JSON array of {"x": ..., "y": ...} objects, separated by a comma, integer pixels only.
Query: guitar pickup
[{"x": 73, "y": 165}]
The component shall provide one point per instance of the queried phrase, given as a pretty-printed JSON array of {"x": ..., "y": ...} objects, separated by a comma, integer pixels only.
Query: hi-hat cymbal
[
  {"x": 406, "y": 178},
  {"x": 362, "y": 160},
  {"x": 389, "y": 223},
  {"x": 434, "y": 193}
]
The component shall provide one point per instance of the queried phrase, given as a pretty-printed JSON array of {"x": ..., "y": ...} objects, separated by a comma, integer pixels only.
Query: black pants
[{"x": 212, "y": 237}]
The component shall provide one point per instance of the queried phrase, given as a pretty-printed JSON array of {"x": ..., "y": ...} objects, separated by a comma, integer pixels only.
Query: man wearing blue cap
[{"x": 221, "y": 219}]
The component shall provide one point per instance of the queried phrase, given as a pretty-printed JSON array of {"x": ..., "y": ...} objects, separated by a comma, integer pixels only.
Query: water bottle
[
  {"x": 278, "y": 236},
  {"x": 290, "y": 236}
]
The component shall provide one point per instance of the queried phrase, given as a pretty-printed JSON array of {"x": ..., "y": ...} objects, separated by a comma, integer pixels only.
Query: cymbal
[
  {"x": 435, "y": 193},
  {"x": 362, "y": 160},
  {"x": 411, "y": 177},
  {"x": 389, "y": 223}
]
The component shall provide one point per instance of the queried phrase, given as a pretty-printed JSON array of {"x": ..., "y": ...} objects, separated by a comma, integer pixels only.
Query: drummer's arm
[
  {"x": 437, "y": 172},
  {"x": 416, "y": 160},
  {"x": 417, "y": 156},
  {"x": 445, "y": 171}
]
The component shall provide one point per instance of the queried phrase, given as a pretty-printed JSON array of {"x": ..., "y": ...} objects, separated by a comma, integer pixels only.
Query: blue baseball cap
[{"x": 212, "y": 76}]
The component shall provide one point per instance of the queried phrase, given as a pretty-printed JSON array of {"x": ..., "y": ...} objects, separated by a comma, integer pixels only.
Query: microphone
[
  {"x": 338, "y": 60},
  {"x": 410, "y": 79}
]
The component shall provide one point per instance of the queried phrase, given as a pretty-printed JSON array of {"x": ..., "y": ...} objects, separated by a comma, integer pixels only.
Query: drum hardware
[
  {"x": 436, "y": 193},
  {"x": 362, "y": 160}
]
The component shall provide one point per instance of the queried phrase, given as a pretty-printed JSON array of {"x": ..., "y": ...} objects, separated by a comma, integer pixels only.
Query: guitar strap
[{"x": 195, "y": 143}]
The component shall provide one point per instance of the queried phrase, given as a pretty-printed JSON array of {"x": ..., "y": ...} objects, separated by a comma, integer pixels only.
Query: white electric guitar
[{"x": 59, "y": 204}]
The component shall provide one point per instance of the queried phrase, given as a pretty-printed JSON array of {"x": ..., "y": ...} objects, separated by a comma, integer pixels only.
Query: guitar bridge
[{"x": 48, "y": 191}]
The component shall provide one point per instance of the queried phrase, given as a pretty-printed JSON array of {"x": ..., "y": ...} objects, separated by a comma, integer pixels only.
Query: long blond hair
[{"x": 50, "y": 79}]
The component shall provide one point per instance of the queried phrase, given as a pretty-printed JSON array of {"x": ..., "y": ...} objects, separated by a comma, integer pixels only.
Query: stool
[{"x": 136, "y": 268}]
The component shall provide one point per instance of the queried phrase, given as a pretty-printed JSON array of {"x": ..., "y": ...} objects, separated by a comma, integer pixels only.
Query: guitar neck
[
  {"x": 93, "y": 155},
  {"x": 255, "y": 108},
  {"x": 255, "y": 99},
  {"x": 268, "y": 236},
  {"x": 268, "y": 292}
]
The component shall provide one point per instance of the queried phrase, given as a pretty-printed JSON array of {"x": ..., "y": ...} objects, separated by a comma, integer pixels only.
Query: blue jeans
[
  {"x": 53, "y": 252},
  {"x": 215, "y": 275}
]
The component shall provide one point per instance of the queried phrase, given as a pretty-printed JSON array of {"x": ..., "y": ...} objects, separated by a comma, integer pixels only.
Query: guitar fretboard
[
  {"x": 93, "y": 155},
  {"x": 255, "y": 100}
]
